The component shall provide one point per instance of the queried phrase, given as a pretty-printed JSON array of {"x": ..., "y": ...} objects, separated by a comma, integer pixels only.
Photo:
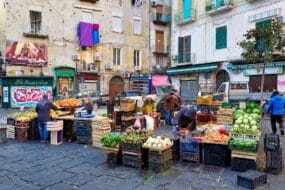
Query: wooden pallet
[{"x": 245, "y": 155}]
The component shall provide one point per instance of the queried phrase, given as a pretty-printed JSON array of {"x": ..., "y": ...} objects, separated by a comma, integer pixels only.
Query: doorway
[
  {"x": 222, "y": 76},
  {"x": 116, "y": 85}
]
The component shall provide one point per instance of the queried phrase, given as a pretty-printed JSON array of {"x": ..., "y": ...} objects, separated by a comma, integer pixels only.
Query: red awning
[{"x": 160, "y": 80}]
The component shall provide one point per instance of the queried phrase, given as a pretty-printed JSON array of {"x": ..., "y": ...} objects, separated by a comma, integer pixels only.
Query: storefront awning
[
  {"x": 160, "y": 80},
  {"x": 254, "y": 66},
  {"x": 201, "y": 68},
  {"x": 65, "y": 72}
]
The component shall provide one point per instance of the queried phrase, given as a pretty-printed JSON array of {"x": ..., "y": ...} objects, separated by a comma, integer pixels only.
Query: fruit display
[
  {"x": 216, "y": 138},
  {"x": 133, "y": 136},
  {"x": 157, "y": 143},
  {"x": 111, "y": 140},
  {"x": 241, "y": 145},
  {"x": 24, "y": 116},
  {"x": 70, "y": 102}
]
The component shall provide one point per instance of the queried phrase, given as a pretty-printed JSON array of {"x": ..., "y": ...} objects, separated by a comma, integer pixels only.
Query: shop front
[
  {"x": 193, "y": 78},
  {"x": 64, "y": 81},
  {"x": 25, "y": 91},
  {"x": 88, "y": 82},
  {"x": 252, "y": 73}
]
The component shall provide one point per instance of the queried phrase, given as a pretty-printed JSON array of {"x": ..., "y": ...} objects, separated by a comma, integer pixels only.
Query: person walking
[
  {"x": 172, "y": 103},
  {"x": 43, "y": 108},
  {"x": 276, "y": 110}
]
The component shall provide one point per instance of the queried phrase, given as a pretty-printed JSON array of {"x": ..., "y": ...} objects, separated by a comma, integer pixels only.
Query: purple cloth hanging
[
  {"x": 86, "y": 34},
  {"x": 96, "y": 27}
]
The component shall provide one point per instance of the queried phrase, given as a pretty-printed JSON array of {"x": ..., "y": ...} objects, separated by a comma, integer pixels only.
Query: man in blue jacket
[
  {"x": 43, "y": 110},
  {"x": 276, "y": 110}
]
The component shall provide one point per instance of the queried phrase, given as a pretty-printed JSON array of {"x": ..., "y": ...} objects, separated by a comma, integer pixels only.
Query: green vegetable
[{"x": 111, "y": 140}]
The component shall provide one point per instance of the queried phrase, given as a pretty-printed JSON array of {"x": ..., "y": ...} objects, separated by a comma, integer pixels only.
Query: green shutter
[
  {"x": 262, "y": 25},
  {"x": 187, "y": 50},
  {"x": 221, "y": 37},
  {"x": 180, "y": 49}
]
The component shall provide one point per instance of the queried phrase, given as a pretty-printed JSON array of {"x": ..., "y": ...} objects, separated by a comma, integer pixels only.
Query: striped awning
[{"x": 199, "y": 68}]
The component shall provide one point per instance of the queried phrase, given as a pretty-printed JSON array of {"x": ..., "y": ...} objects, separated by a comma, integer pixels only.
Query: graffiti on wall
[
  {"x": 28, "y": 96},
  {"x": 27, "y": 53}
]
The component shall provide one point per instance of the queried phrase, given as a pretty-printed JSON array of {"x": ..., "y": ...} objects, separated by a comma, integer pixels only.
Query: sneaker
[{"x": 282, "y": 132}]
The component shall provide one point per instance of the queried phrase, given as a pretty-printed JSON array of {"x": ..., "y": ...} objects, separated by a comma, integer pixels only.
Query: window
[
  {"x": 117, "y": 24},
  {"x": 87, "y": 17},
  {"x": 221, "y": 37},
  {"x": 36, "y": 21},
  {"x": 261, "y": 25},
  {"x": 117, "y": 56},
  {"x": 137, "y": 26},
  {"x": 136, "y": 58},
  {"x": 184, "y": 49}
]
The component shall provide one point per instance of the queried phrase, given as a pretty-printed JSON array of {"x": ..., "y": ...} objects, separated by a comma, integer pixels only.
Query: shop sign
[
  {"x": 28, "y": 96},
  {"x": 264, "y": 15},
  {"x": 258, "y": 65},
  {"x": 27, "y": 82},
  {"x": 5, "y": 94},
  {"x": 27, "y": 53},
  {"x": 189, "y": 77},
  {"x": 268, "y": 71}
]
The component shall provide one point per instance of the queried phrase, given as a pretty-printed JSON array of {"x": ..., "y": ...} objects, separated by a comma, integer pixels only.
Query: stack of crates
[
  {"x": 100, "y": 128},
  {"x": 204, "y": 105},
  {"x": 190, "y": 149},
  {"x": 158, "y": 161},
  {"x": 273, "y": 153},
  {"x": 83, "y": 131},
  {"x": 134, "y": 155}
]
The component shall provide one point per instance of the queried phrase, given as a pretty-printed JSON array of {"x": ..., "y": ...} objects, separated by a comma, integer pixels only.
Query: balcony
[
  {"x": 158, "y": 69},
  {"x": 185, "y": 58},
  {"x": 160, "y": 18},
  {"x": 35, "y": 29},
  {"x": 88, "y": 68},
  {"x": 215, "y": 7},
  {"x": 185, "y": 17},
  {"x": 160, "y": 49}
]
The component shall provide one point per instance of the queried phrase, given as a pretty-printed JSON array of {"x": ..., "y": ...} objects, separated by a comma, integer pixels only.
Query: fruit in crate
[
  {"x": 70, "y": 102},
  {"x": 24, "y": 116},
  {"x": 53, "y": 114},
  {"x": 216, "y": 137},
  {"x": 157, "y": 143}
]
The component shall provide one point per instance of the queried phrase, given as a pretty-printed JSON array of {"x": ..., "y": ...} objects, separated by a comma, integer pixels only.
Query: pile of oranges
[{"x": 70, "y": 102}]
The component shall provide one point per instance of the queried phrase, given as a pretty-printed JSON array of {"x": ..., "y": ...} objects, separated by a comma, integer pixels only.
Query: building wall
[{"x": 203, "y": 30}]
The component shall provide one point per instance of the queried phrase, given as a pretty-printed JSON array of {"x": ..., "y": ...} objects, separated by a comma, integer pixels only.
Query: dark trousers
[{"x": 276, "y": 119}]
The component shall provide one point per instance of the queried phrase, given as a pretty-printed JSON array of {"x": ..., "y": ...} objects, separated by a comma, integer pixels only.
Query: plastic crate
[
  {"x": 274, "y": 162},
  {"x": 82, "y": 123},
  {"x": 134, "y": 161},
  {"x": 214, "y": 154},
  {"x": 190, "y": 145},
  {"x": 251, "y": 179},
  {"x": 83, "y": 131},
  {"x": 176, "y": 144},
  {"x": 205, "y": 100},
  {"x": 159, "y": 167},
  {"x": 204, "y": 117},
  {"x": 114, "y": 158},
  {"x": 228, "y": 105},
  {"x": 159, "y": 157},
  {"x": 271, "y": 142},
  {"x": 205, "y": 109},
  {"x": 241, "y": 164},
  {"x": 190, "y": 156},
  {"x": 11, "y": 121},
  {"x": 175, "y": 155},
  {"x": 84, "y": 139},
  {"x": 135, "y": 148}
]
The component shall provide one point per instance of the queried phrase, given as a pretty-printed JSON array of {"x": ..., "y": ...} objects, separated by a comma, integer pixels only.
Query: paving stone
[
  {"x": 79, "y": 180},
  {"x": 92, "y": 186},
  {"x": 61, "y": 186}
]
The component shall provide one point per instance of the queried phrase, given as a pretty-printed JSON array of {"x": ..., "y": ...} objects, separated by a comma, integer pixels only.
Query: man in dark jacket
[
  {"x": 43, "y": 110},
  {"x": 276, "y": 110}
]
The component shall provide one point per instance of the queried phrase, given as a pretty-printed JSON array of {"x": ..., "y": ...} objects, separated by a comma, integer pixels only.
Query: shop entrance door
[
  {"x": 270, "y": 83},
  {"x": 189, "y": 90},
  {"x": 116, "y": 85}
]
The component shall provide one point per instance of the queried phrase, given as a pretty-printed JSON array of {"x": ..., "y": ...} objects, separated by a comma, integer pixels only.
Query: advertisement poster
[
  {"x": 26, "y": 53},
  {"x": 28, "y": 96}
]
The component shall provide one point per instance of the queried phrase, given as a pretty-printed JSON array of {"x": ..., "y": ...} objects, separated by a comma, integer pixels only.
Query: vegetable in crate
[
  {"x": 241, "y": 145},
  {"x": 157, "y": 143},
  {"x": 133, "y": 136},
  {"x": 111, "y": 140}
]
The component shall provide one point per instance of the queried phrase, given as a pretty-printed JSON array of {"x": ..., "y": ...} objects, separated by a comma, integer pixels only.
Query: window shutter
[
  {"x": 187, "y": 49},
  {"x": 180, "y": 49},
  {"x": 221, "y": 37},
  {"x": 262, "y": 25},
  {"x": 117, "y": 24},
  {"x": 218, "y": 3},
  {"x": 137, "y": 26}
]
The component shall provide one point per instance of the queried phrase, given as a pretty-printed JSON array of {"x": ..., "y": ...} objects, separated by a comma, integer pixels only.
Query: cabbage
[
  {"x": 254, "y": 127},
  {"x": 253, "y": 122},
  {"x": 256, "y": 110},
  {"x": 245, "y": 121},
  {"x": 248, "y": 110},
  {"x": 246, "y": 126},
  {"x": 239, "y": 121},
  {"x": 253, "y": 105}
]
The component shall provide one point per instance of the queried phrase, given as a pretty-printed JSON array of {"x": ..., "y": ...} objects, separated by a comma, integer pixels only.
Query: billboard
[
  {"x": 28, "y": 96},
  {"x": 26, "y": 53}
]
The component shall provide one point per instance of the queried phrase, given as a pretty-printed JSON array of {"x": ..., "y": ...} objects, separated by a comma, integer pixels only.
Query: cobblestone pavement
[{"x": 71, "y": 166}]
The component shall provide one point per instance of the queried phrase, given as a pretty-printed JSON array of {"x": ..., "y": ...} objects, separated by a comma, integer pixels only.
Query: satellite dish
[{"x": 140, "y": 103}]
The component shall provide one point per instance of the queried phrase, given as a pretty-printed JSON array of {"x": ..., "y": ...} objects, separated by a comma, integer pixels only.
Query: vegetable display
[
  {"x": 216, "y": 138},
  {"x": 70, "y": 102},
  {"x": 133, "y": 136},
  {"x": 157, "y": 143},
  {"x": 111, "y": 140},
  {"x": 24, "y": 116},
  {"x": 241, "y": 145}
]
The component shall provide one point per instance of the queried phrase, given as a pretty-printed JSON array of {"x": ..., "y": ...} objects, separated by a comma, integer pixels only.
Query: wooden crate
[
  {"x": 226, "y": 112},
  {"x": 245, "y": 155},
  {"x": 227, "y": 120}
]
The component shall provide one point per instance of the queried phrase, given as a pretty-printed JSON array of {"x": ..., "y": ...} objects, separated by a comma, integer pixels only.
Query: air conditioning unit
[
  {"x": 97, "y": 58},
  {"x": 75, "y": 57},
  {"x": 138, "y": 68},
  {"x": 108, "y": 66}
]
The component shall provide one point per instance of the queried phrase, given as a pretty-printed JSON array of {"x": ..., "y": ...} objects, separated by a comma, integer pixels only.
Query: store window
[
  {"x": 117, "y": 24},
  {"x": 116, "y": 56},
  {"x": 221, "y": 37},
  {"x": 35, "y": 21},
  {"x": 136, "y": 58},
  {"x": 137, "y": 26}
]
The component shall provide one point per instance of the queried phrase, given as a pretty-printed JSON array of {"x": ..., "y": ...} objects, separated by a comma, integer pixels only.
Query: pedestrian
[
  {"x": 43, "y": 108},
  {"x": 88, "y": 106},
  {"x": 171, "y": 104},
  {"x": 276, "y": 110}
]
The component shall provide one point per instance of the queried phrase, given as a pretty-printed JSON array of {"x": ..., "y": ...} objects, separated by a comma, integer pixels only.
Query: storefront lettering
[{"x": 23, "y": 82}]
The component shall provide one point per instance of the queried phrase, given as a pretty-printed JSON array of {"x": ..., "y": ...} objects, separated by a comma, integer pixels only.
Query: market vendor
[
  {"x": 187, "y": 117},
  {"x": 88, "y": 106}
]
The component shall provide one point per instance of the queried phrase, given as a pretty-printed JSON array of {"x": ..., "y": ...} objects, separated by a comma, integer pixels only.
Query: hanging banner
[
  {"x": 268, "y": 71},
  {"x": 28, "y": 96},
  {"x": 26, "y": 53}
]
